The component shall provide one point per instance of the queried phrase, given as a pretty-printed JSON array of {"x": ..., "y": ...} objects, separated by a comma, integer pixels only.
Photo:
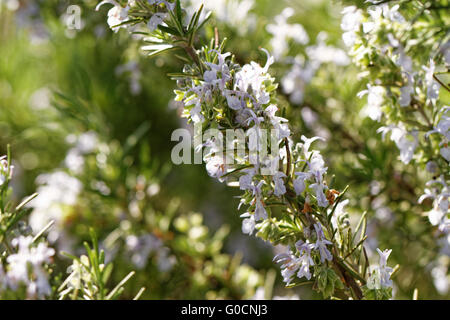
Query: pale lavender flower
[
  {"x": 141, "y": 247},
  {"x": 282, "y": 32},
  {"x": 320, "y": 195},
  {"x": 405, "y": 95},
  {"x": 294, "y": 82},
  {"x": 406, "y": 142},
  {"x": 380, "y": 275},
  {"x": 317, "y": 167},
  {"x": 445, "y": 152},
  {"x": 260, "y": 211},
  {"x": 246, "y": 181},
  {"x": 293, "y": 265},
  {"x": 392, "y": 13},
  {"x": 305, "y": 259},
  {"x": 299, "y": 182},
  {"x": 280, "y": 189},
  {"x": 443, "y": 127},
  {"x": 321, "y": 244},
  {"x": 82, "y": 145},
  {"x": 164, "y": 260},
  {"x": 440, "y": 277},
  {"x": 248, "y": 224},
  {"x": 135, "y": 75},
  {"x": 235, "y": 13},
  {"x": 442, "y": 198},
  {"x": 219, "y": 74},
  {"x": 385, "y": 271},
  {"x": 156, "y": 20},
  {"x": 116, "y": 15},
  {"x": 289, "y": 267},
  {"x": 278, "y": 123},
  {"x": 307, "y": 144},
  {"x": 351, "y": 22},
  {"x": 216, "y": 167},
  {"x": 375, "y": 99}
]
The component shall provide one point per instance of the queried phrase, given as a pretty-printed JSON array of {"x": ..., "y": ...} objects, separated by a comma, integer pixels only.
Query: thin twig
[{"x": 441, "y": 83}]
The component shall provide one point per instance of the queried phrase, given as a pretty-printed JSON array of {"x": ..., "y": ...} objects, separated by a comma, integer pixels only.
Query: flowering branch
[{"x": 220, "y": 94}]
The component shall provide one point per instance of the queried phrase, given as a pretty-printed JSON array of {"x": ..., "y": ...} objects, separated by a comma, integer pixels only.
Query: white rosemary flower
[
  {"x": 116, "y": 15},
  {"x": 321, "y": 244},
  {"x": 282, "y": 32},
  {"x": 375, "y": 99},
  {"x": 381, "y": 274},
  {"x": 27, "y": 266}
]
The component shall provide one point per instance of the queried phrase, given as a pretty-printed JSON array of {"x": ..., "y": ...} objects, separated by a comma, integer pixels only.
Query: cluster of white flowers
[
  {"x": 382, "y": 35},
  {"x": 293, "y": 264},
  {"x": 361, "y": 35},
  {"x": 439, "y": 191},
  {"x": 118, "y": 15},
  {"x": 27, "y": 267},
  {"x": 140, "y": 248},
  {"x": 245, "y": 95},
  {"x": 356, "y": 25},
  {"x": 82, "y": 145},
  {"x": 25, "y": 259},
  {"x": 57, "y": 190},
  {"x": 302, "y": 68},
  {"x": 315, "y": 173},
  {"x": 283, "y": 32},
  {"x": 251, "y": 78},
  {"x": 300, "y": 264},
  {"x": 321, "y": 53},
  {"x": 353, "y": 20}
]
